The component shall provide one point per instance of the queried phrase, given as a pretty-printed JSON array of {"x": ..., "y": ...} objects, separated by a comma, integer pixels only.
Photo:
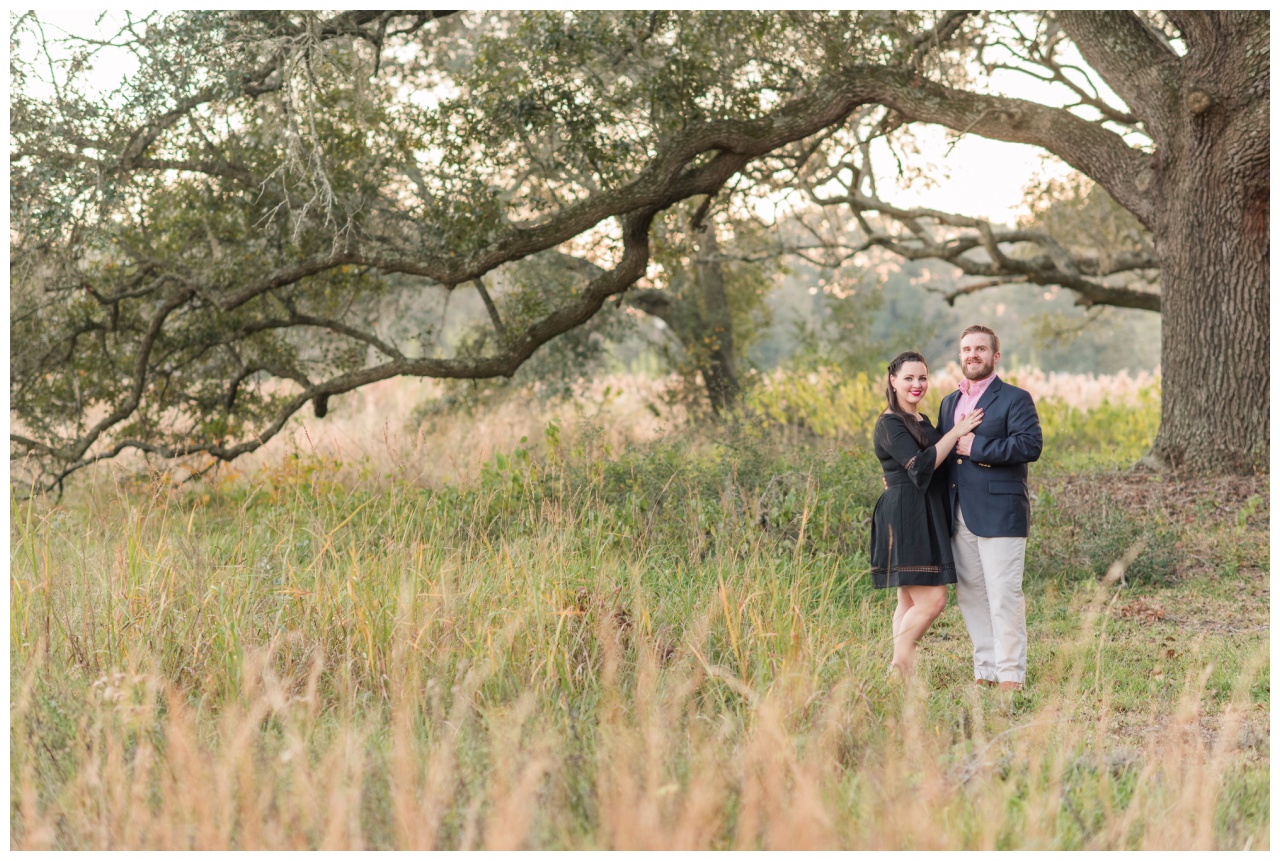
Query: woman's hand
[
  {"x": 969, "y": 422},
  {"x": 959, "y": 437}
]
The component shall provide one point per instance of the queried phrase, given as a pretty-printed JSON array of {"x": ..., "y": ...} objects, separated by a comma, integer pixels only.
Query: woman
[{"x": 911, "y": 526}]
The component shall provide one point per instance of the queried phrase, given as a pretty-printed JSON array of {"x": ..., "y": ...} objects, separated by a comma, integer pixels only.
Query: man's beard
[{"x": 979, "y": 371}]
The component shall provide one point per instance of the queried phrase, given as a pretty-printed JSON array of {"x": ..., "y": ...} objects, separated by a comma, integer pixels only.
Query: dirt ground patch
[{"x": 1217, "y": 501}]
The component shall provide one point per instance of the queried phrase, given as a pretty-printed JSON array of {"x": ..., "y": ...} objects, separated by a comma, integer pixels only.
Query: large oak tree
[{"x": 226, "y": 237}]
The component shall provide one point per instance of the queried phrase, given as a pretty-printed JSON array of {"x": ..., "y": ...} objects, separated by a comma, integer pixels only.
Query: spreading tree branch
[
  {"x": 1053, "y": 265},
  {"x": 234, "y": 307}
]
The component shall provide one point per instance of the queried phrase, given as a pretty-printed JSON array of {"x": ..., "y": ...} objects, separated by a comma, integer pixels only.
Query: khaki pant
[{"x": 989, "y": 594}]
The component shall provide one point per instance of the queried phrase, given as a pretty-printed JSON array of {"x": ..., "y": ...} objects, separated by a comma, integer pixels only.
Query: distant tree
[{"x": 198, "y": 254}]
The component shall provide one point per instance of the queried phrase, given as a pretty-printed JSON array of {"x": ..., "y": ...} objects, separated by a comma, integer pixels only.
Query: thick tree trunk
[
  {"x": 1215, "y": 319},
  {"x": 1213, "y": 236}
]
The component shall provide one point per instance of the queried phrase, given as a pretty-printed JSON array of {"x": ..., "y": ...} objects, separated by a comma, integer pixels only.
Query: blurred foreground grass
[{"x": 672, "y": 645}]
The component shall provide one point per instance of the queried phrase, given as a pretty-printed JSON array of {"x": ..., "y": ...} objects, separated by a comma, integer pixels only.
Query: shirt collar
[{"x": 975, "y": 388}]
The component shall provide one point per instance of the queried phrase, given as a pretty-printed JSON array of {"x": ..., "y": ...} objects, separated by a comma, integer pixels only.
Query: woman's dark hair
[{"x": 913, "y": 426}]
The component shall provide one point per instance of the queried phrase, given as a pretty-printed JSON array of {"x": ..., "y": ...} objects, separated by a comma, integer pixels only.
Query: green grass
[{"x": 671, "y": 646}]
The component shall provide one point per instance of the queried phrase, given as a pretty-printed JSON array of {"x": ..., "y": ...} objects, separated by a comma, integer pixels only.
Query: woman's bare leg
[
  {"x": 927, "y": 603},
  {"x": 904, "y": 604}
]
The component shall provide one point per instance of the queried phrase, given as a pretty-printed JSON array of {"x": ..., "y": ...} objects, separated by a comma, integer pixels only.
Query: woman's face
[{"x": 910, "y": 383}]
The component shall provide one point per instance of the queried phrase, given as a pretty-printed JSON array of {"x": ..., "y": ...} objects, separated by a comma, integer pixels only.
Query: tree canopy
[{"x": 227, "y": 236}]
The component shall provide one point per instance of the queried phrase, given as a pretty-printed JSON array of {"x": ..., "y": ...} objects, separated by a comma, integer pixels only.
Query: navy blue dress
[{"x": 911, "y": 525}]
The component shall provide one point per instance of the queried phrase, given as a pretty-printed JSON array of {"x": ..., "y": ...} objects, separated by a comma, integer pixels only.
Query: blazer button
[{"x": 958, "y": 460}]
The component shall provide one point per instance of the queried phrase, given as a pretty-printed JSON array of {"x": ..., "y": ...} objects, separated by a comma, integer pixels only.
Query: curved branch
[
  {"x": 1134, "y": 61},
  {"x": 1098, "y": 153},
  {"x": 295, "y": 320},
  {"x": 126, "y": 409},
  {"x": 1088, "y": 293},
  {"x": 665, "y": 180},
  {"x": 608, "y": 283}
]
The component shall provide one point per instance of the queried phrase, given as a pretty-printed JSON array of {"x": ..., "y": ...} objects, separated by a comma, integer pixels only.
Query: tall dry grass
[
  {"x": 795, "y": 765},
  {"x": 364, "y": 644},
  {"x": 413, "y": 680}
]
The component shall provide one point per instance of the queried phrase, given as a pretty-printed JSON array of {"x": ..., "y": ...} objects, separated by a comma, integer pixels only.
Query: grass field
[{"x": 596, "y": 641}]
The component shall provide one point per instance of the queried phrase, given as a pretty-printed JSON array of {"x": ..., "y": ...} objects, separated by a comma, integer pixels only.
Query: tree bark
[{"x": 1213, "y": 238}]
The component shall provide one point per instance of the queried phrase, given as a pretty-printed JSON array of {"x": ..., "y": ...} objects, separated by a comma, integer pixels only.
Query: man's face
[{"x": 977, "y": 359}]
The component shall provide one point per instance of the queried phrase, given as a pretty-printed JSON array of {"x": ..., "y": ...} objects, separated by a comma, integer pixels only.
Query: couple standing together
[{"x": 956, "y": 508}]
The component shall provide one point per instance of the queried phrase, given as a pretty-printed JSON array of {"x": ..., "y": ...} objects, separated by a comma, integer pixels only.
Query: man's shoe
[{"x": 1011, "y": 686}]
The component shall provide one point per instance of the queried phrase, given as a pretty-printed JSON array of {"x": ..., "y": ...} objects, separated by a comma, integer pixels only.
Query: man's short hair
[{"x": 974, "y": 329}]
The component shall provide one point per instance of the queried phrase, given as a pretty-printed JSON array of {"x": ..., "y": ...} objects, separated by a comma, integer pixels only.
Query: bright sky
[
  {"x": 112, "y": 64},
  {"x": 974, "y": 176},
  {"x": 978, "y": 177}
]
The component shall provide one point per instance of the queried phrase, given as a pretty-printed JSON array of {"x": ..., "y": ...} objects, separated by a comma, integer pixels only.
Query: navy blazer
[{"x": 990, "y": 485}]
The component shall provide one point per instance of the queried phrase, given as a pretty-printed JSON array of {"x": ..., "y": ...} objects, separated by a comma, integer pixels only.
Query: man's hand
[{"x": 964, "y": 444}]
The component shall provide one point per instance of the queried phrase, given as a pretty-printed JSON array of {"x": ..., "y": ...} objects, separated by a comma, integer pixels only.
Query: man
[{"x": 991, "y": 507}]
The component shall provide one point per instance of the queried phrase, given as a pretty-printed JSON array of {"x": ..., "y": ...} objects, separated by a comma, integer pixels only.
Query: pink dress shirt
[{"x": 971, "y": 391}]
